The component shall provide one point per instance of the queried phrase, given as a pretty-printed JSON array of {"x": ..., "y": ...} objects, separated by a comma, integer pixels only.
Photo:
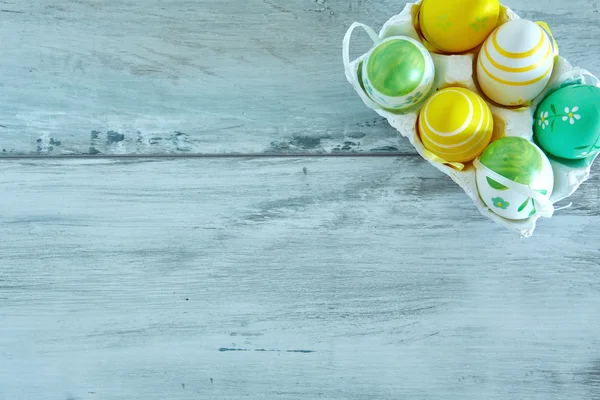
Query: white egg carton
[{"x": 457, "y": 70}]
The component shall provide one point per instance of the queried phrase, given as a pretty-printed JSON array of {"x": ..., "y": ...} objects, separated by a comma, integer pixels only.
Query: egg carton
[{"x": 458, "y": 70}]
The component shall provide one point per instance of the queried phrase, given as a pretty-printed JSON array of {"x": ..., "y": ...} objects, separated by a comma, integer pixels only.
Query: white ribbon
[
  {"x": 576, "y": 74},
  {"x": 346, "y": 58}
]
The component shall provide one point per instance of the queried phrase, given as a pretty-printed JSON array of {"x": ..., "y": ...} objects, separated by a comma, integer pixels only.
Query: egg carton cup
[{"x": 458, "y": 70}]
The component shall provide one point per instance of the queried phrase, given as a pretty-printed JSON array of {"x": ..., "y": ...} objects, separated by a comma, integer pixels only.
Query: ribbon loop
[
  {"x": 351, "y": 73},
  {"x": 579, "y": 75},
  {"x": 346, "y": 44},
  {"x": 576, "y": 76},
  {"x": 546, "y": 28},
  {"x": 436, "y": 159}
]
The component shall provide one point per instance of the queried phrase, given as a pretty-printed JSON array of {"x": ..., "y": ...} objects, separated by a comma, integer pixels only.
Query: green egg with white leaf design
[
  {"x": 398, "y": 73},
  {"x": 520, "y": 162},
  {"x": 567, "y": 122}
]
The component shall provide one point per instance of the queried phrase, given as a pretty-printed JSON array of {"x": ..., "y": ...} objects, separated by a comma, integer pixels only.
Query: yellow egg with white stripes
[
  {"x": 456, "y": 124},
  {"x": 515, "y": 63}
]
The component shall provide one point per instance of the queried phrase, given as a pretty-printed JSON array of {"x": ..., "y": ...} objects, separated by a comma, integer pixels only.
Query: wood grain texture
[
  {"x": 207, "y": 76},
  {"x": 287, "y": 279}
]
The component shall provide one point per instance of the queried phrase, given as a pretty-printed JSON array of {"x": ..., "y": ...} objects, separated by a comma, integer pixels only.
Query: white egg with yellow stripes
[
  {"x": 455, "y": 124},
  {"x": 515, "y": 63}
]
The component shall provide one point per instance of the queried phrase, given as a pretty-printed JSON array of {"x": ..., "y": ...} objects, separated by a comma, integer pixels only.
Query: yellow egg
[
  {"x": 515, "y": 63},
  {"x": 456, "y": 124},
  {"x": 456, "y": 26}
]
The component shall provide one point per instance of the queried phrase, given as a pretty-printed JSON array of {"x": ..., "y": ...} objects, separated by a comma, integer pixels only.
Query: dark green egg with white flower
[{"x": 567, "y": 122}]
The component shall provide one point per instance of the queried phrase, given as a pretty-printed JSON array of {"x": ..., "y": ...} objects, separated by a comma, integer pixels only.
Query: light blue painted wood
[
  {"x": 207, "y": 76},
  {"x": 287, "y": 279}
]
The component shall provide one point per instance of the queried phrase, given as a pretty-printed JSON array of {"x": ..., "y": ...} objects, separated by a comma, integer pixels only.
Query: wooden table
[{"x": 210, "y": 271}]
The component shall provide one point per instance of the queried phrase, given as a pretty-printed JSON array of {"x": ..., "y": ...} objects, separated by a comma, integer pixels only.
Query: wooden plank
[
  {"x": 207, "y": 76},
  {"x": 288, "y": 279}
]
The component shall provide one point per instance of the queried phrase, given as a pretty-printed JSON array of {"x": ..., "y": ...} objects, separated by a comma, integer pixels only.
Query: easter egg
[
  {"x": 398, "y": 73},
  {"x": 567, "y": 122},
  {"x": 456, "y": 26},
  {"x": 455, "y": 124},
  {"x": 515, "y": 63},
  {"x": 527, "y": 169}
]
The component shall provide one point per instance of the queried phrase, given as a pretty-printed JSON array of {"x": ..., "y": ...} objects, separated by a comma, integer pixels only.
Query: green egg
[
  {"x": 520, "y": 161},
  {"x": 567, "y": 123},
  {"x": 396, "y": 67},
  {"x": 514, "y": 158}
]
